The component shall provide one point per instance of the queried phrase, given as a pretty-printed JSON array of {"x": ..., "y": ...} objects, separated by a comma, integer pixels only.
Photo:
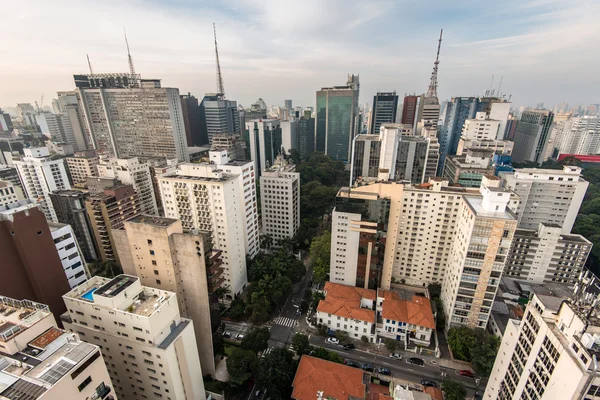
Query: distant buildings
[
  {"x": 337, "y": 120},
  {"x": 192, "y": 120},
  {"x": 385, "y": 105},
  {"x": 217, "y": 115},
  {"x": 81, "y": 165},
  {"x": 58, "y": 128},
  {"x": 580, "y": 136},
  {"x": 306, "y": 136},
  {"x": 532, "y": 135},
  {"x": 469, "y": 168},
  {"x": 263, "y": 142},
  {"x": 410, "y": 110},
  {"x": 289, "y": 135},
  {"x": 9, "y": 193}
]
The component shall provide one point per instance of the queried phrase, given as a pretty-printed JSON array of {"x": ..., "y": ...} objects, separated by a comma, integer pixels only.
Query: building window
[
  {"x": 158, "y": 281},
  {"x": 83, "y": 384},
  {"x": 155, "y": 272}
]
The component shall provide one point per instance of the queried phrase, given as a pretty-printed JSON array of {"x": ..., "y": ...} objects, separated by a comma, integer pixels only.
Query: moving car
[
  {"x": 349, "y": 346},
  {"x": 466, "y": 372},
  {"x": 426, "y": 382},
  {"x": 397, "y": 356},
  {"x": 351, "y": 363},
  {"x": 368, "y": 367},
  {"x": 384, "y": 371},
  {"x": 239, "y": 336},
  {"x": 226, "y": 334},
  {"x": 416, "y": 361},
  {"x": 332, "y": 340}
]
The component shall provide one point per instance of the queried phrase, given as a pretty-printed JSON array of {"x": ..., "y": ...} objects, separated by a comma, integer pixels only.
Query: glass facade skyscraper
[{"x": 385, "y": 105}]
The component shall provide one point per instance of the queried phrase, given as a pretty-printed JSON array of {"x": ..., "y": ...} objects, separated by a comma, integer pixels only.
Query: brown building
[
  {"x": 409, "y": 109},
  {"x": 191, "y": 120},
  {"x": 108, "y": 211},
  {"x": 31, "y": 266}
]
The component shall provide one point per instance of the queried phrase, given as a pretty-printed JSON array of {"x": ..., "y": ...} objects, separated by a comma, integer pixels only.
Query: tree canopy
[
  {"x": 241, "y": 364},
  {"x": 320, "y": 250},
  {"x": 453, "y": 390},
  {"x": 276, "y": 372},
  {"x": 301, "y": 344},
  {"x": 257, "y": 339},
  {"x": 475, "y": 346}
]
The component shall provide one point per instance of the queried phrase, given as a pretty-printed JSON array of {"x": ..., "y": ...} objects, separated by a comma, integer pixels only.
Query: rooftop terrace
[{"x": 16, "y": 316}]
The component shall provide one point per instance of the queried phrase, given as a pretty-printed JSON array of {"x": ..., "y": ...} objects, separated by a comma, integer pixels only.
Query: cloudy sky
[{"x": 546, "y": 50}]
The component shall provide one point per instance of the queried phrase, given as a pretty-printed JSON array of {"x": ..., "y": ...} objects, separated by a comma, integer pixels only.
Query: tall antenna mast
[
  {"x": 131, "y": 69},
  {"x": 432, "y": 90},
  {"x": 220, "y": 88},
  {"x": 500, "y": 85},
  {"x": 89, "y": 64}
]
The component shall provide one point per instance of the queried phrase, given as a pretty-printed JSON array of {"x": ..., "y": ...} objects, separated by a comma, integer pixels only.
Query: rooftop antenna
[
  {"x": 432, "y": 90},
  {"x": 220, "y": 88},
  {"x": 500, "y": 85},
  {"x": 131, "y": 69},
  {"x": 89, "y": 64},
  {"x": 489, "y": 93}
]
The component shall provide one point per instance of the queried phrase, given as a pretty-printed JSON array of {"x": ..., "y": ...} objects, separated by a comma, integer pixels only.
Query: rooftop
[
  {"x": 152, "y": 220},
  {"x": 416, "y": 311},
  {"x": 17, "y": 316},
  {"x": 335, "y": 380},
  {"x": 115, "y": 286},
  {"x": 476, "y": 205},
  {"x": 345, "y": 301}
]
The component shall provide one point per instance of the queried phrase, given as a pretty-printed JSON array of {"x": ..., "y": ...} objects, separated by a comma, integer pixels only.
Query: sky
[{"x": 545, "y": 50}]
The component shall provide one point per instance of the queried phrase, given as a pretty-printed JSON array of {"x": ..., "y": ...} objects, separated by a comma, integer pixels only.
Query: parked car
[
  {"x": 257, "y": 394},
  {"x": 368, "y": 367},
  {"x": 416, "y": 361},
  {"x": 349, "y": 346},
  {"x": 466, "y": 372},
  {"x": 226, "y": 334},
  {"x": 332, "y": 340},
  {"x": 239, "y": 336},
  {"x": 298, "y": 312},
  {"x": 351, "y": 363},
  {"x": 384, "y": 371},
  {"x": 426, "y": 382},
  {"x": 397, "y": 356}
]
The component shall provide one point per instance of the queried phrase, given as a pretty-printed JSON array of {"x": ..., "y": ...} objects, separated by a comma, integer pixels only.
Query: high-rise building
[
  {"x": 5, "y": 122},
  {"x": 234, "y": 144},
  {"x": 126, "y": 116},
  {"x": 150, "y": 349},
  {"x": 57, "y": 127},
  {"x": 337, "y": 121},
  {"x": 11, "y": 175},
  {"x": 547, "y": 255},
  {"x": 289, "y": 135},
  {"x": 31, "y": 266},
  {"x": 52, "y": 363},
  {"x": 108, "y": 211},
  {"x": 280, "y": 200},
  {"x": 532, "y": 135},
  {"x": 306, "y": 136},
  {"x": 26, "y": 114},
  {"x": 469, "y": 168},
  {"x": 218, "y": 115},
  {"x": 184, "y": 263},
  {"x": 8, "y": 145},
  {"x": 484, "y": 230},
  {"x": 385, "y": 105},
  {"x": 191, "y": 120},
  {"x": 410, "y": 110},
  {"x": 263, "y": 142},
  {"x": 69, "y": 206},
  {"x": 42, "y": 174},
  {"x": 9, "y": 193},
  {"x": 208, "y": 199},
  {"x": 551, "y": 353},
  {"x": 131, "y": 171},
  {"x": 256, "y": 111},
  {"x": 68, "y": 105},
  {"x": 69, "y": 252},
  {"x": 81, "y": 165},
  {"x": 288, "y": 105},
  {"x": 580, "y": 136},
  {"x": 547, "y": 195}
]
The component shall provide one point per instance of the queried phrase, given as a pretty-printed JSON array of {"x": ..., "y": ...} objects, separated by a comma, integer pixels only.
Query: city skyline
[{"x": 279, "y": 51}]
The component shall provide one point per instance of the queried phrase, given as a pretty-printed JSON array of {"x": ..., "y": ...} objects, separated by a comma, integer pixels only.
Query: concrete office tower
[
  {"x": 412, "y": 161},
  {"x": 288, "y": 104},
  {"x": 263, "y": 142},
  {"x": 31, "y": 266},
  {"x": 501, "y": 147},
  {"x": 6, "y": 125},
  {"x": 68, "y": 105},
  {"x": 481, "y": 128},
  {"x": 191, "y": 120},
  {"x": 234, "y": 144},
  {"x": 337, "y": 121},
  {"x": 151, "y": 350},
  {"x": 69, "y": 252},
  {"x": 42, "y": 174},
  {"x": 58, "y": 128},
  {"x": 163, "y": 257},
  {"x": 410, "y": 110},
  {"x": 385, "y": 105},
  {"x": 550, "y": 354},
  {"x": 208, "y": 199},
  {"x": 81, "y": 165},
  {"x": 69, "y": 206},
  {"x": 131, "y": 171},
  {"x": 547, "y": 195},
  {"x": 11, "y": 175},
  {"x": 256, "y": 111},
  {"x": 9, "y": 193},
  {"x": 306, "y": 136},
  {"x": 108, "y": 211},
  {"x": 547, "y": 255},
  {"x": 532, "y": 135},
  {"x": 469, "y": 168},
  {"x": 10, "y": 144},
  {"x": 59, "y": 148},
  {"x": 26, "y": 114},
  {"x": 52, "y": 363},
  {"x": 126, "y": 116},
  {"x": 280, "y": 200},
  {"x": 484, "y": 232},
  {"x": 289, "y": 135},
  {"x": 581, "y": 136},
  {"x": 159, "y": 167},
  {"x": 218, "y": 115}
]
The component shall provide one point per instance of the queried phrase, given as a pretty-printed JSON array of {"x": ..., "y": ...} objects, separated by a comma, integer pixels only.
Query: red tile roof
[
  {"x": 416, "y": 311},
  {"x": 335, "y": 380},
  {"x": 435, "y": 393},
  {"x": 344, "y": 301}
]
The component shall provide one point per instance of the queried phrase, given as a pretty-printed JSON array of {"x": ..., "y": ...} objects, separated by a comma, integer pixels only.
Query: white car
[
  {"x": 332, "y": 340},
  {"x": 239, "y": 336},
  {"x": 396, "y": 356}
]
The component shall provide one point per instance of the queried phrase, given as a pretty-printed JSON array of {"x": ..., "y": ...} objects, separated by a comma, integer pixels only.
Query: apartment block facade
[
  {"x": 81, "y": 165},
  {"x": 9, "y": 193},
  {"x": 70, "y": 255}
]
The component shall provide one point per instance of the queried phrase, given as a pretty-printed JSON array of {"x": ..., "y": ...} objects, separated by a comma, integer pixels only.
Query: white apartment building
[
  {"x": 504, "y": 147},
  {"x": 131, "y": 171},
  {"x": 481, "y": 128},
  {"x": 40, "y": 361},
  {"x": 289, "y": 135},
  {"x": 280, "y": 200},
  {"x": 485, "y": 227},
  {"x": 208, "y": 199},
  {"x": 581, "y": 136},
  {"x": 552, "y": 353},
  {"x": 81, "y": 165},
  {"x": 547, "y": 255},
  {"x": 150, "y": 350},
  {"x": 57, "y": 127},
  {"x": 42, "y": 174},
  {"x": 547, "y": 195},
  {"x": 9, "y": 193},
  {"x": 69, "y": 252}
]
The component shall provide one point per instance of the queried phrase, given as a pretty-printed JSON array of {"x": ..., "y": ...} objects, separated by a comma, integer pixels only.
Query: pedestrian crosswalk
[
  {"x": 289, "y": 322},
  {"x": 267, "y": 351}
]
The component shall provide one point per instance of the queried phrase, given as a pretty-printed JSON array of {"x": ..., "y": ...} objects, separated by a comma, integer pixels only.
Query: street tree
[
  {"x": 453, "y": 390},
  {"x": 276, "y": 372},
  {"x": 241, "y": 364},
  {"x": 301, "y": 344},
  {"x": 257, "y": 339},
  {"x": 391, "y": 345}
]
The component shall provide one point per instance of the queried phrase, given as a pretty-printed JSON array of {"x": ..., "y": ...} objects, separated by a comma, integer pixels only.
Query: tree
[
  {"x": 221, "y": 292},
  {"x": 391, "y": 345},
  {"x": 266, "y": 241},
  {"x": 276, "y": 372},
  {"x": 317, "y": 297},
  {"x": 475, "y": 346},
  {"x": 322, "y": 330},
  {"x": 341, "y": 336},
  {"x": 484, "y": 355},
  {"x": 461, "y": 341},
  {"x": 257, "y": 313},
  {"x": 320, "y": 249},
  {"x": 364, "y": 338},
  {"x": 441, "y": 317},
  {"x": 325, "y": 354},
  {"x": 241, "y": 364},
  {"x": 236, "y": 309},
  {"x": 303, "y": 306},
  {"x": 435, "y": 290},
  {"x": 453, "y": 390},
  {"x": 301, "y": 344},
  {"x": 257, "y": 339}
]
